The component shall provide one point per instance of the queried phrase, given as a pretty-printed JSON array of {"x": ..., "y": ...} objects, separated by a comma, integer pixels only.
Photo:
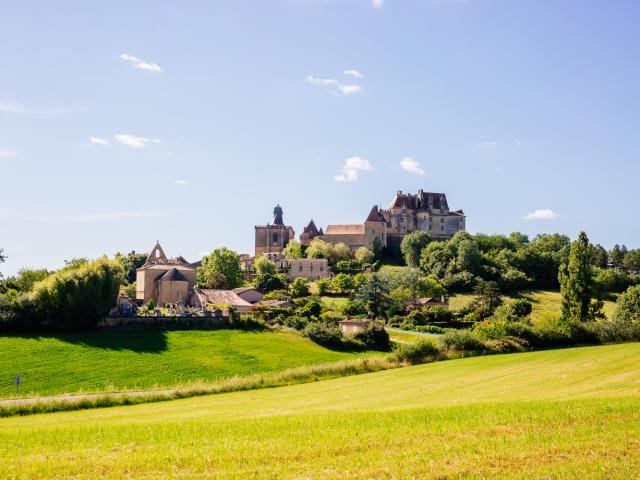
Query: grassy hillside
[
  {"x": 106, "y": 361},
  {"x": 571, "y": 413},
  {"x": 542, "y": 300}
]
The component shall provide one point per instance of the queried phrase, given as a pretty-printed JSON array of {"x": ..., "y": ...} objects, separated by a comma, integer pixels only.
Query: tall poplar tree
[{"x": 577, "y": 285}]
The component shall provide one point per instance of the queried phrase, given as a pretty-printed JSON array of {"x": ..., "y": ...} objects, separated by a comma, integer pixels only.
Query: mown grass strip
[{"x": 290, "y": 376}]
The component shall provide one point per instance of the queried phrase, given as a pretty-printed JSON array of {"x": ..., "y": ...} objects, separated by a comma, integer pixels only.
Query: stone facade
[
  {"x": 310, "y": 268},
  {"x": 272, "y": 238},
  {"x": 164, "y": 280},
  {"x": 407, "y": 213}
]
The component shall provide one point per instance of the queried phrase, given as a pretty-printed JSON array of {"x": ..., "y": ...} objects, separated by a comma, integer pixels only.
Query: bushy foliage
[
  {"x": 461, "y": 340},
  {"x": 374, "y": 337},
  {"x": 323, "y": 285},
  {"x": 512, "y": 261},
  {"x": 70, "y": 299},
  {"x": 268, "y": 282},
  {"x": 262, "y": 265},
  {"x": 299, "y": 287},
  {"x": 412, "y": 246},
  {"x": 364, "y": 256},
  {"x": 292, "y": 250},
  {"x": 318, "y": 248},
  {"x": 628, "y": 307},
  {"x": 354, "y": 308},
  {"x": 130, "y": 264},
  {"x": 419, "y": 352},
  {"x": 309, "y": 307},
  {"x": 323, "y": 334},
  {"x": 612, "y": 280},
  {"x": 219, "y": 264},
  {"x": 342, "y": 283}
]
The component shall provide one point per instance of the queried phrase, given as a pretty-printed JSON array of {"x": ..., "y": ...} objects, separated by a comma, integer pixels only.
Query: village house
[
  {"x": 205, "y": 298},
  {"x": 310, "y": 268},
  {"x": 351, "y": 326}
]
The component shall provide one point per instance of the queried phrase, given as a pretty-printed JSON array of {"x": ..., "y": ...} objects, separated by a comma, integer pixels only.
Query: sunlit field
[
  {"x": 113, "y": 361},
  {"x": 572, "y": 413}
]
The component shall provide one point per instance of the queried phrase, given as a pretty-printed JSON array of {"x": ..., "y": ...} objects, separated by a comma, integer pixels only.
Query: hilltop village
[{"x": 173, "y": 281}]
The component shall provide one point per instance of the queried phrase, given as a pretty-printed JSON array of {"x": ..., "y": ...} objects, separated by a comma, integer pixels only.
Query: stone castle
[{"x": 424, "y": 211}]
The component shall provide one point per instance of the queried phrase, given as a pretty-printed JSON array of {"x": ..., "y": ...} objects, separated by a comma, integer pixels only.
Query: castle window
[{"x": 275, "y": 238}]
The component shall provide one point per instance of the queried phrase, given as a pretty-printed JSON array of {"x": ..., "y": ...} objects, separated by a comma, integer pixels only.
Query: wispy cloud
[
  {"x": 134, "y": 141},
  {"x": 352, "y": 167},
  {"x": 99, "y": 141},
  {"x": 182, "y": 182},
  {"x": 542, "y": 214},
  {"x": 141, "y": 64},
  {"x": 21, "y": 109},
  {"x": 377, "y": 3},
  {"x": 488, "y": 144},
  {"x": 7, "y": 154},
  {"x": 411, "y": 165},
  {"x": 353, "y": 73},
  {"x": 334, "y": 86}
]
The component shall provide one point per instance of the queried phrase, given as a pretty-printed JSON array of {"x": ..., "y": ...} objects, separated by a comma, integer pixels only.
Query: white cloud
[
  {"x": 5, "y": 154},
  {"x": 353, "y": 73},
  {"x": 490, "y": 144},
  {"x": 351, "y": 169},
  {"x": 141, "y": 64},
  {"x": 99, "y": 141},
  {"x": 182, "y": 182},
  {"x": 519, "y": 143},
  {"x": 411, "y": 165},
  {"x": 542, "y": 214},
  {"x": 133, "y": 141},
  {"x": 377, "y": 3},
  {"x": 334, "y": 86},
  {"x": 20, "y": 109}
]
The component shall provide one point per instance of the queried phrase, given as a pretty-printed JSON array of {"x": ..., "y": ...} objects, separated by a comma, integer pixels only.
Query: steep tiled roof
[
  {"x": 345, "y": 229},
  {"x": 221, "y": 297},
  {"x": 375, "y": 215},
  {"x": 172, "y": 275}
]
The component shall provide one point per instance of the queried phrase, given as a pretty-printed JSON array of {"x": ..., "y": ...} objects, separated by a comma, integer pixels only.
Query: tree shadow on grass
[{"x": 147, "y": 341}]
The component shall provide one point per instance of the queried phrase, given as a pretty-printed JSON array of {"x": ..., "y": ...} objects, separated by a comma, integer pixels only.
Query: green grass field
[
  {"x": 111, "y": 361},
  {"x": 542, "y": 300},
  {"x": 558, "y": 414}
]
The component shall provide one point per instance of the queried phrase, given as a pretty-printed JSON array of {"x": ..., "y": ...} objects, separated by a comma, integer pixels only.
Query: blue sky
[{"x": 123, "y": 123}]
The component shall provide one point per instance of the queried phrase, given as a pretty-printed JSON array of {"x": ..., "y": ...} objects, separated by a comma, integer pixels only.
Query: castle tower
[{"x": 273, "y": 238}]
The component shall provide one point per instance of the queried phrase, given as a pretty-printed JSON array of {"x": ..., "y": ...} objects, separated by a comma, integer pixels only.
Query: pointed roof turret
[
  {"x": 311, "y": 228},
  {"x": 374, "y": 215}
]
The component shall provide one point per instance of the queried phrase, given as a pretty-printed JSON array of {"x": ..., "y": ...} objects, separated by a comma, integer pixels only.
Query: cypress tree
[{"x": 577, "y": 286}]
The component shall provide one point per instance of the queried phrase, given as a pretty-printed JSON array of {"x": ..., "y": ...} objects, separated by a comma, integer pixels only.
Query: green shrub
[
  {"x": 461, "y": 340},
  {"x": 325, "y": 335},
  {"x": 354, "y": 308},
  {"x": 521, "y": 308},
  {"x": 375, "y": 336},
  {"x": 437, "y": 314},
  {"x": 269, "y": 282},
  {"x": 430, "y": 329},
  {"x": 424, "y": 350},
  {"x": 299, "y": 287},
  {"x": 628, "y": 306},
  {"x": 506, "y": 345},
  {"x": 296, "y": 322}
]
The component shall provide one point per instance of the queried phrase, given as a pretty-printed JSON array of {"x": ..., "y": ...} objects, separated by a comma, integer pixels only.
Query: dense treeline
[{"x": 514, "y": 262}]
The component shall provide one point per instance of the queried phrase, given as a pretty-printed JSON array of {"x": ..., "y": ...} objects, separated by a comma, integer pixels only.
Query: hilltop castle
[{"x": 424, "y": 211}]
